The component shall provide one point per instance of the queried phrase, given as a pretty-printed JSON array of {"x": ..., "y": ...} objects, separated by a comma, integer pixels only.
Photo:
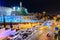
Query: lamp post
[
  {"x": 11, "y": 23},
  {"x": 44, "y": 12},
  {"x": 4, "y": 21}
]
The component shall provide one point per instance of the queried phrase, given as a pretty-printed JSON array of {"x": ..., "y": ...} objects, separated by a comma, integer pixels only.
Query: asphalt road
[{"x": 41, "y": 35}]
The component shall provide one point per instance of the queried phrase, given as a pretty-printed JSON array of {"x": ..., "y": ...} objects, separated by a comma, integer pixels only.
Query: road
[{"x": 41, "y": 35}]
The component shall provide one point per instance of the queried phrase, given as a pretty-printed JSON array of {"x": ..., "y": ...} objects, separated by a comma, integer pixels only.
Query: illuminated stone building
[{"x": 18, "y": 17}]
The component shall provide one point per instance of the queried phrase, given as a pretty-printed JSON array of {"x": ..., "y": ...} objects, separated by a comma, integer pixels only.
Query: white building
[{"x": 5, "y": 11}]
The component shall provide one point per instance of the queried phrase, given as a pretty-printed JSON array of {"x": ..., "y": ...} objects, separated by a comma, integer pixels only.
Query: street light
[
  {"x": 4, "y": 21},
  {"x": 11, "y": 23},
  {"x": 44, "y": 12}
]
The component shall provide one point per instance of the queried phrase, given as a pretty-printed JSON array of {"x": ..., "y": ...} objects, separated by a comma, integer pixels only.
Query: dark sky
[{"x": 34, "y": 5}]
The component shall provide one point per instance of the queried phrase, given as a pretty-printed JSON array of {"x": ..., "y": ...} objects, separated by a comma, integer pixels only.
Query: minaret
[{"x": 20, "y": 4}]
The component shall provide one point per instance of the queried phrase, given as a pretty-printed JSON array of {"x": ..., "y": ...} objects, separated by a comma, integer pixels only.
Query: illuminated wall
[
  {"x": 1, "y": 19},
  {"x": 16, "y": 19}
]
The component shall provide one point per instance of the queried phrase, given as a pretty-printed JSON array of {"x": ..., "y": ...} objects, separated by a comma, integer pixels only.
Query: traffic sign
[{"x": 56, "y": 28}]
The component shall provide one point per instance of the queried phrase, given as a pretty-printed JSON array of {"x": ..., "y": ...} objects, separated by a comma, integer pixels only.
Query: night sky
[{"x": 50, "y": 6}]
